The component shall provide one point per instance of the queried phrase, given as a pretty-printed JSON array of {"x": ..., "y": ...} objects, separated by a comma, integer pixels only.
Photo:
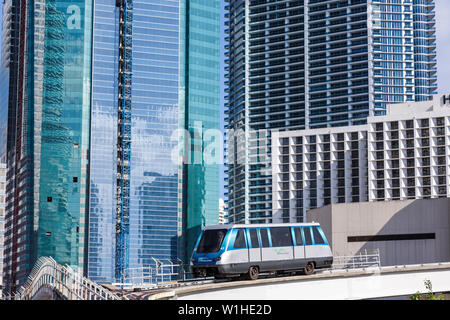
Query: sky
[{"x": 443, "y": 53}]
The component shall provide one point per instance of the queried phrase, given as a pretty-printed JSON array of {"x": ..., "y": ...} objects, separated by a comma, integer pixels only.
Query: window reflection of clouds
[
  {"x": 155, "y": 116},
  {"x": 101, "y": 251}
]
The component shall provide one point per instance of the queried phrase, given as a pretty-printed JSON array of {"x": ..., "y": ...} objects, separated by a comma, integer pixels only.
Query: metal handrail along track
[{"x": 64, "y": 281}]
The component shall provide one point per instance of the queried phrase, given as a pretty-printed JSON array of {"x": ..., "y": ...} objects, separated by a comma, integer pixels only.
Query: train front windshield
[{"x": 211, "y": 241}]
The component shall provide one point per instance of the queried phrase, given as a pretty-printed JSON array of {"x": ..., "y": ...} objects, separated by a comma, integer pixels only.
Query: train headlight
[
  {"x": 217, "y": 259},
  {"x": 193, "y": 260}
]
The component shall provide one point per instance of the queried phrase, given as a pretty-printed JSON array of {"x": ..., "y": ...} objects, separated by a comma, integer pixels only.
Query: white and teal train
[{"x": 246, "y": 250}]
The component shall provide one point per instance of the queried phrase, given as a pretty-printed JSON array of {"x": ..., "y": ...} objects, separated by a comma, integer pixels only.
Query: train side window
[
  {"x": 239, "y": 243},
  {"x": 317, "y": 236},
  {"x": 264, "y": 238},
  {"x": 307, "y": 233},
  {"x": 298, "y": 237},
  {"x": 281, "y": 236},
  {"x": 254, "y": 238}
]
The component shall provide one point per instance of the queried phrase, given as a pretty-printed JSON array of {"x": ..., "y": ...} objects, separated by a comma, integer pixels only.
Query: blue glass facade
[
  {"x": 61, "y": 132},
  {"x": 49, "y": 133},
  {"x": 4, "y": 92},
  {"x": 154, "y": 176},
  {"x": 154, "y": 182},
  {"x": 65, "y": 165},
  {"x": 425, "y": 72},
  {"x": 103, "y": 160},
  {"x": 175, "y": 85},
  {"x": 200, "y": 117}
]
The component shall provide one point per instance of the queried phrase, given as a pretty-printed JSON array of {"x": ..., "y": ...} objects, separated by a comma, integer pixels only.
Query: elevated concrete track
[{"x": 353, "y": 284}]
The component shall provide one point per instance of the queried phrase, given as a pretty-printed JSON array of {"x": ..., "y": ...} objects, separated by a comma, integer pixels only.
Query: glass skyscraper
[
  {"x": 297, "y": 65},
  {"x": 49, "y": 110},
  {"x": 200, "y": 117},
  {"x": 175, "y": 85},
  {"x": 104, "y": 88}
]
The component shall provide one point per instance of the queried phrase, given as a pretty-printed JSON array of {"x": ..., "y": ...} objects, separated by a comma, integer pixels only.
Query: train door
[
  {"x": 309, "y": 247},
  {"x": 254, "y": 251},
  {"x": 265, "y": 245},
  {"x": 238, "y": 250},
  {"x": 299, "y": 244}
]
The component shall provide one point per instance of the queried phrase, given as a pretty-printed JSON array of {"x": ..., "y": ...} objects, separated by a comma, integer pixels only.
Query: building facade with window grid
[
  {"x": 409, "y": 152},
  {"x": 402, "y": 155},
  {"x": 314, "y": 168},
  {"x": 308, "y": 64}
]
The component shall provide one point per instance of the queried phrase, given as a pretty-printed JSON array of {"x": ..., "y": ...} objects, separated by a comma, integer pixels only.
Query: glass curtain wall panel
[
  {"x": 154, "y": 196},
  {"x": 200, "y": 117},
  {"x": 49, "y": 125},
  {"x": 175, "y": 85},
  {"x": 103, "y": 156},
  {"x": 61, "y": 57}
]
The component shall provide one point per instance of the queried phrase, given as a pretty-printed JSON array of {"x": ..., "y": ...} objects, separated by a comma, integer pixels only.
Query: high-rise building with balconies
[
  {"x": 304, "y": 64},
  {"x": 398, "y": 156}
]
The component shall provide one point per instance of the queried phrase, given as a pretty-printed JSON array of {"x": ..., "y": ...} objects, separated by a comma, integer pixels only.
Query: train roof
[{"x": 260, "y": 225}]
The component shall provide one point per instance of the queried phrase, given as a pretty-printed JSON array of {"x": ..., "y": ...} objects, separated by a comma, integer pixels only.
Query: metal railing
[
  {"x": 47, "y": 274},
  {"x": 166, "y": 273},
  {"x": 365, "y": 259},
  {"x": 63, "y": 281},
  {"x": 161, "y": 273}
]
